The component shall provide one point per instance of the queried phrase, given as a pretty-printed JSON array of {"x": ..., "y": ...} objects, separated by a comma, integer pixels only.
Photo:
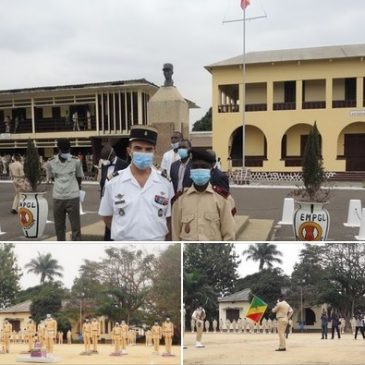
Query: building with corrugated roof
[{"x": 286, "y": 91}]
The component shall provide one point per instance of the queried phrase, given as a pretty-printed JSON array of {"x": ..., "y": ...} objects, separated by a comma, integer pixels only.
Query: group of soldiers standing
[{"x": 121, "y": 337}]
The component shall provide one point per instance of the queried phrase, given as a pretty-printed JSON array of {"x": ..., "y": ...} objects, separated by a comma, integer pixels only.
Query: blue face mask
[
  {"x": 200, "y": 177},
  {"x": 183, "y": 153},
  {"x": 142, "y": 160},
  {"x": 175, "y": 145},
  {"x": 66, "y": 156}
]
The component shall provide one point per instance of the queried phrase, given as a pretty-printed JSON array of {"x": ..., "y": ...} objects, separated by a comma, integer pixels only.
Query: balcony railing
[
  {"x": 256, "y": 107},
  {"x": 228, "y": 108},
  {"x": 343, "y": 103},
  {"x": 284, "y": 106},
  {"x": 56, "y": 125},
  {"x": 314, "y": 105}
]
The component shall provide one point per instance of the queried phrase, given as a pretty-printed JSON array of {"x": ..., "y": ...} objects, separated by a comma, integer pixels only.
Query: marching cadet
[
  {"x": 221, "y": 325},
  {"x": 168, "y": 334},
  {"x": 202, "y": 213},
  {"x": 269, "y": 325},
  {"x": 199, "y": 316},
  {"x": 207, "y": 326},
  {"x": 66, "y": 171},
  {"x": 86, "y": 334},
  {"x": 156, "y": 336},
  {"x": 234, "y": 326},
  {"x": 30, "y": 331},
  {"x": 239, "y": 325},
  {"x": 124, "y": 328},
  {"x": 215, "y": 324},
  {"x": 117, "y": 336},
  {"x": 148, "y": 335},
  {"x": 228, "y": 325},
  {"x": 283, "y": 312},
  {"x": 50, "y": 326},
  {"x": 95, "y": 333},
  {"x": 7, "y": 330},
  {"x": 192, "y": 324},
  {"x": 136, "y": 204},
  {"x": 60, "y": 337},
  {"x": 264, "y": 325}
]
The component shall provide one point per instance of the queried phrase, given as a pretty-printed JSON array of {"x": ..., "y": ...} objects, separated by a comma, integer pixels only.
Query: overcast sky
[
  {"x": 290, "y": 256},
  {"x": 54, "y": 42},
  {"x": 70, "y": 256}
]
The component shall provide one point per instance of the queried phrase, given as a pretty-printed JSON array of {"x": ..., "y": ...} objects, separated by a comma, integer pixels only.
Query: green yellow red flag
[{"x": 256, "y": 309}]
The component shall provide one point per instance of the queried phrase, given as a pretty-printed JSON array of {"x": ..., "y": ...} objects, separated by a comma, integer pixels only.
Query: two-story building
[{"x": 286, "y": 91}]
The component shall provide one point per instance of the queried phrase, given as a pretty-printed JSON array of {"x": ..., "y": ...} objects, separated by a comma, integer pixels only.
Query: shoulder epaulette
[
  {"x": 164, "y": 174},
  {"x": 221, "y": 191}
]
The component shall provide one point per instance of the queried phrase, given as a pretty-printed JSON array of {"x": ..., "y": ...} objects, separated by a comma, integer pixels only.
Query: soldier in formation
[
  {"x": 7, "y": 330},
  {"x": 156, "y": 332},
  {"x": 50, "y": 325},
  {"x": 95, "y": 334},
  {"x": 199, "y": 316},
  {"x": 30, "y": 332},
  {"x": 86, "y": 334},
  {"x": 168, "y": 334}
]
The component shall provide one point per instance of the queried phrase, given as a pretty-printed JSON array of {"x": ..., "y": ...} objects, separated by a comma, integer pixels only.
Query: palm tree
[
  {"x": 45, "y": 266},
  {"x": 264, "y": 253}
]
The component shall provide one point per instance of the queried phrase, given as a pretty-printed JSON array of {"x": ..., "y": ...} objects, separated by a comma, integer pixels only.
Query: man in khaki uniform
[
  {"x": 86, "y": 334},
  {"x": 124, "y": 337},
  {"x": 7, "y": 330},
  {"x": 168, "y": 334},
  {"x": 95, "y": 333},
  {"x": 69, "y": 339},
  {"x": 117, "y": 336},
  {"x": 199, "y": 316},
  {"x": 30, "y": 333},
  {"x": 202, "y": 213},
  {"x": 16, "y": 169},
  {"x": 41, "y": 332},
  {"x": 156, "y": 336},
  {"x": 50, "y": 325},
  {"x": 66, "y": 171},
  {"x": 283, "y": 312}
]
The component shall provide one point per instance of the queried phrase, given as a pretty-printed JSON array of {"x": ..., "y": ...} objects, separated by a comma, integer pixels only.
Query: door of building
[
  {"x": 232, "y": 314},
  {"x": 355, "y": 152}
]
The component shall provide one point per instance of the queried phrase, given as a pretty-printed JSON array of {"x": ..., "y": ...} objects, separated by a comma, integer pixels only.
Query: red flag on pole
[{"x": 245, "y": 4}]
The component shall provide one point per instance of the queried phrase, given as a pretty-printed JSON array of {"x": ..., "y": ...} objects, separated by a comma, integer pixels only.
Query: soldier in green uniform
[{"x": 66, "y": 171}]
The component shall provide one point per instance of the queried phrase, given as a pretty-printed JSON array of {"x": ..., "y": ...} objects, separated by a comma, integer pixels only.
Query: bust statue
[{"x": 168, "y": 70}]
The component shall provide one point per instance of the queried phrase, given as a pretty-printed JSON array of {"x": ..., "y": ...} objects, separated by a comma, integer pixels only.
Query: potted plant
[
  {"x": 311, "y": 220},
  {"x": 33, "y": 207}
]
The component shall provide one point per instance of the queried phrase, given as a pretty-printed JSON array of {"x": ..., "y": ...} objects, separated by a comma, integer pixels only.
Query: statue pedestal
[{"x": 168, "y": 111}]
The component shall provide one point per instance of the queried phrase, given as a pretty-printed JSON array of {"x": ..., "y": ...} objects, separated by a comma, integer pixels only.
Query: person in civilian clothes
[
  {"x": 111, "y": 163},
  {"x": 171, "y": 156},
  {"x": 335, "y": 323},
  {"x": 324, "y": 325}
]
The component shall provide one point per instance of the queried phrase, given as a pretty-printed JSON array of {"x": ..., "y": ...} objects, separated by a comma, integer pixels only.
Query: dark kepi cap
[
  {"x": 203, "y": 155},
  {"x": 63, "y": 144},
  {"x": 143, "y": 133}
]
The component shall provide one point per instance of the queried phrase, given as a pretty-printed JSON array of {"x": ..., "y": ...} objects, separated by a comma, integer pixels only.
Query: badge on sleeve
[
  {"x": 160, "y": 212},
  {"x": 121, "y": 212}
]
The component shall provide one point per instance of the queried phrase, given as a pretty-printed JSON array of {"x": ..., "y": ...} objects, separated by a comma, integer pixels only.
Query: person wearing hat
[
  {"x": 171, "y": 155},
  {"x": 283, "y": 312},
  {"x": 7, "y": 330},
  {"x": 168, "y": 334},
  {"x": 117, "y": 337},
  {"x": 110, "y": 163},
  {"x": 95, "y": 333},
  {"x": 136, "y": 201},
  {"x": 201, "y": 213},
  {"x": 156, "y": 336},
  {"x": 66, "y": 171},
  {"x": 50, "y": 325},
  {"x": 86, "y": 334},
  {"x": 30, "y": 332}
]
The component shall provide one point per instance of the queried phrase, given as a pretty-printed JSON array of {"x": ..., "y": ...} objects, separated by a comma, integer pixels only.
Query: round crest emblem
[
  {"x": 310, "y": 231},
  {"x": 25, "y": 217}
]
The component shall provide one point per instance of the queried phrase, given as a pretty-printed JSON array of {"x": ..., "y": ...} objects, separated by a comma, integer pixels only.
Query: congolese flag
[
  {"x": 245, "y": 4},
  {"x": 256, "y": 309}
]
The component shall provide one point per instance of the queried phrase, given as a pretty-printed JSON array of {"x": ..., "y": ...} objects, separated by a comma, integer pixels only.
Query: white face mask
[{"x": 66, "y": 156}]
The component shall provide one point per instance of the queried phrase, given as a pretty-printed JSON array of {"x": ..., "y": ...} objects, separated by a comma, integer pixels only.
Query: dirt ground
[
  {"x": 70, "y": 354},
  {"x": 259, "y": 349}
]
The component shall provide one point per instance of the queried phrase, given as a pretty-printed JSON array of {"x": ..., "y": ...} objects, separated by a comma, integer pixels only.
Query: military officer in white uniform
[
  {"x": 66, "y": 171},
  {"x": 136, "y": 203}
]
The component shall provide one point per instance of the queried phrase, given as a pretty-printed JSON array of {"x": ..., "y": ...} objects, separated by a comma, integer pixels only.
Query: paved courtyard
[
  {"x": 259, "y": 349},
  {"x": 259, "y": 202},
  {"x": 70, "y": 354}
]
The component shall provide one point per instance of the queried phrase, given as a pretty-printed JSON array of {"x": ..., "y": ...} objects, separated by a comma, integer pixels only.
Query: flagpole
[{"x": 244, "y": 89}]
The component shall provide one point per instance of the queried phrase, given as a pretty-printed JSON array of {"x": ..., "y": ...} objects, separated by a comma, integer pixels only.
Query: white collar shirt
[
  {"x": 167, "y": 159},
  {"x": 139, "y": 214}
]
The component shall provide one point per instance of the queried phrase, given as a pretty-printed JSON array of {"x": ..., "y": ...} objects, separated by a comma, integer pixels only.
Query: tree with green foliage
[
  {"x": 47, "y": 300},
  {"x": 210, "y": 272},
  {"x": 32, "y": 166},
  {"x": 10, "y": 275},
  {"x": 313, "y": 171},
  {"x": 267, "y": 284},
  {"x": 264, "y": 253},
  {"x": 45, "y": 266},
  {"x": 205, "y": 123}
]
